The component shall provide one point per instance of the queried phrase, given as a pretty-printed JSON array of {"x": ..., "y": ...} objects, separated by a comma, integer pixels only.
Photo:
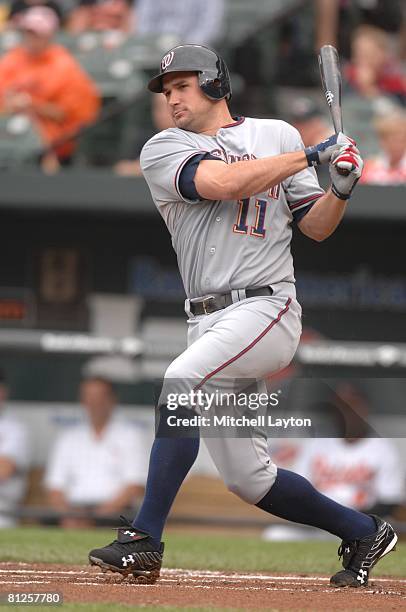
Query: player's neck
[{"x": 217, "y": 120}]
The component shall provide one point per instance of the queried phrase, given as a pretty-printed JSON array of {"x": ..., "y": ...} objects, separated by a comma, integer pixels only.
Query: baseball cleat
[
  {"x": 133, "y": 552},
  {"x": 360, "y": 556}
]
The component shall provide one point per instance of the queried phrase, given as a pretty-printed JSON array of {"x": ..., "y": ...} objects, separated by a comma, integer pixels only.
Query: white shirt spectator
[
  {"x": 358, "y": 474},
  {"x": 13, "y": 446},
  {"x": 196, "y": 22},
  {"x": 92, "y": 470}
]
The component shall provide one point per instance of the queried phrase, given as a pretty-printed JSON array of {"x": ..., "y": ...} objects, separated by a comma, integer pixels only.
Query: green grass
[{"x": 188, "y": 550}]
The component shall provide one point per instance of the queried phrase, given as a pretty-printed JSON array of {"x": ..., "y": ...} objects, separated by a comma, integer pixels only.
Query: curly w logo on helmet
[{"x": 167, "y": 60}]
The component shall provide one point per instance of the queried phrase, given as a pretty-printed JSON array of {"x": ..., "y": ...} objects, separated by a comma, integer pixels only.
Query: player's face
[
  {"x": 188, "y": 106},
  {"x": 98, "y": 399}
]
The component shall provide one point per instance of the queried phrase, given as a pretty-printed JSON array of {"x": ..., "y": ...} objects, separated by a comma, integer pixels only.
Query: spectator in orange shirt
[
  {"x": 389, "y": 166},
  {"x": 42, "y": 80}
]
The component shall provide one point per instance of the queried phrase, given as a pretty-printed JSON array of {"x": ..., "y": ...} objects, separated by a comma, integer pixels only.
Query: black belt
[{"x": 218, "y": 301}]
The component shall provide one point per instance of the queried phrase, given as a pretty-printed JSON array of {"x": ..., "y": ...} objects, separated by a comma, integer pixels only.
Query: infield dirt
[{"x": 191, "y": 588}]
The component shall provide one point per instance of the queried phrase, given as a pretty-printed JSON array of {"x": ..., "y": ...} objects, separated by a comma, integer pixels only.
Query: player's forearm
[
  {"x": 323, "y": 218},
  {"x": 264, "y": 173},
  {"x": 246, "y": 178}
]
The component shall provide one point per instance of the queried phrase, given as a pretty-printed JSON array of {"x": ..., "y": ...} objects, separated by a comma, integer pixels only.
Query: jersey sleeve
[
  {"x": 162, "y": 160},
  {"x": 302, "y": 189},
  {"x": 187, "y": 185}
]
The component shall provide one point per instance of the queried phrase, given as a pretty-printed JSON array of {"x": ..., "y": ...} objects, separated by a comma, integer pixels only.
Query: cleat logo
[
  {"x": 130, "y": 533},
  {"x": 167, "y": 60},
  {"x": 129, "y": 560},
  {"x": 347, "y": 550},
  {"x": 362, "y": 574}
]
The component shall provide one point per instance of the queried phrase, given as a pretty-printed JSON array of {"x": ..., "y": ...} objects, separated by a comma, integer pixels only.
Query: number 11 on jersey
[{"x": 241, "y": 226}]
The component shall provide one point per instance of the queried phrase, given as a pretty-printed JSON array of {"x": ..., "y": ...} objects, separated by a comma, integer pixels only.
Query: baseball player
[{"x": 229, "y": 190}]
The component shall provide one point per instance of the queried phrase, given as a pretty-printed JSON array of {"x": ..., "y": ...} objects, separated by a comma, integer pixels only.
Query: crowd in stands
[
  {"x": 193, "y": 21},
  {"x": 45, "y": 82},
  {"x": 42, "y": 77},
  {"x": 87, "y": 476}
]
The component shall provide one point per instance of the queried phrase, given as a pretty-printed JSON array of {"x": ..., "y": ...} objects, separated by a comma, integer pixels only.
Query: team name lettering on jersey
[{"x": 215, "y": 239}]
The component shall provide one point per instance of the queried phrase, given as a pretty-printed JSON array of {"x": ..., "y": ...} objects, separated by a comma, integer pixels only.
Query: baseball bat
[{"x": 330, "y": 73}]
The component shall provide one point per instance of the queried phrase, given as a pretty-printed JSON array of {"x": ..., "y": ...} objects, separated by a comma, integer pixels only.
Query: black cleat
[
  {"x": 133, "y": 552},
  {"x": 360, "y": 556}
]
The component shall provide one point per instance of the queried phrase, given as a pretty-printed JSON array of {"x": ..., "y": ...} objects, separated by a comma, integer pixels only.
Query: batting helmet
[{"x": 214, "y": 78}]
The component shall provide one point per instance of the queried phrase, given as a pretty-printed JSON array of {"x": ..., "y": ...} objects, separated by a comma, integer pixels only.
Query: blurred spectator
[
  {"x": 19, "y": 7},
  {"x": 389, "y": 166},
  {"x": 98, "y": 467},
  {"x": 42, "y": 80},
  {"x": 199, "y": 23},
  {"x": 14, "y": 460},
  {"x": 101, "y": 15},
  {"x": 336, "y": 20},
  {"x": 374, "y": 85},
  {"x": 373, "y": 69},
  {"x": 306, "y": 117},
  {"x": 161, "y": 119},
  {"x": 362, "y": 472}
]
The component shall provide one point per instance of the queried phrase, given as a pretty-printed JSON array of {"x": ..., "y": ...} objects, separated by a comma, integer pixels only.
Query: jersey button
[
  {"x": 212, "y": 250},
  {"x": 218, "y": 219}
]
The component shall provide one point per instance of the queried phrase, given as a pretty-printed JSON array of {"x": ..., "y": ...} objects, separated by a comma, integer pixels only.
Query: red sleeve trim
[{"x": 304, "y": 201}]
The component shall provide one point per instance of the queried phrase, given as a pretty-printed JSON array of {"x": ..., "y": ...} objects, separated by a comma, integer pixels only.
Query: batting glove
[
  {"x": 322, "y": 152},
  {"x": 349, "y": 161}
]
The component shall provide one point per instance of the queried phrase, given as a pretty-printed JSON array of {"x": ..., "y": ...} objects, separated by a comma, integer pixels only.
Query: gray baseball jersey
[{"x": 225, "y": 245}]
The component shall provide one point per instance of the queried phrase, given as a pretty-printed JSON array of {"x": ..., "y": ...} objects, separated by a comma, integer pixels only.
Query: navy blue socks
[
  {"x": 170, "y": 461},
  {"x": 294, "y": 498}
]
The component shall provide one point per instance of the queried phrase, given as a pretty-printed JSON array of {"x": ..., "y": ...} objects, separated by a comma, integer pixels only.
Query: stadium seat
[
  {"x": 20, "y": 143},
  {"x": 244, "y": 18},
  {"x": 116, "y": 61},
  {"x": 113, "y": 72}
]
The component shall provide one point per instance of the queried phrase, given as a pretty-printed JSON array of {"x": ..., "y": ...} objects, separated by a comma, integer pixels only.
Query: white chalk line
[
  {"x": 206, "y": 574},
  {"x": 192, "y": 576},
  {"x": 25, "y": 582},
  {"x": 34, "y": 571},
  {"x": 216, "y": 574},
  {"x": 218, "y": 587}
]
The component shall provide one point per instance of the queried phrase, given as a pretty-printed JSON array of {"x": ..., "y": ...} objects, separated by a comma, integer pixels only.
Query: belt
[{"x": 218, "y": 301}]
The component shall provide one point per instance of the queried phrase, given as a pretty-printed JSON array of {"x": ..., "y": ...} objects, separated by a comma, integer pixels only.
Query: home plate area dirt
[{"x": 190, "y": 588}]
